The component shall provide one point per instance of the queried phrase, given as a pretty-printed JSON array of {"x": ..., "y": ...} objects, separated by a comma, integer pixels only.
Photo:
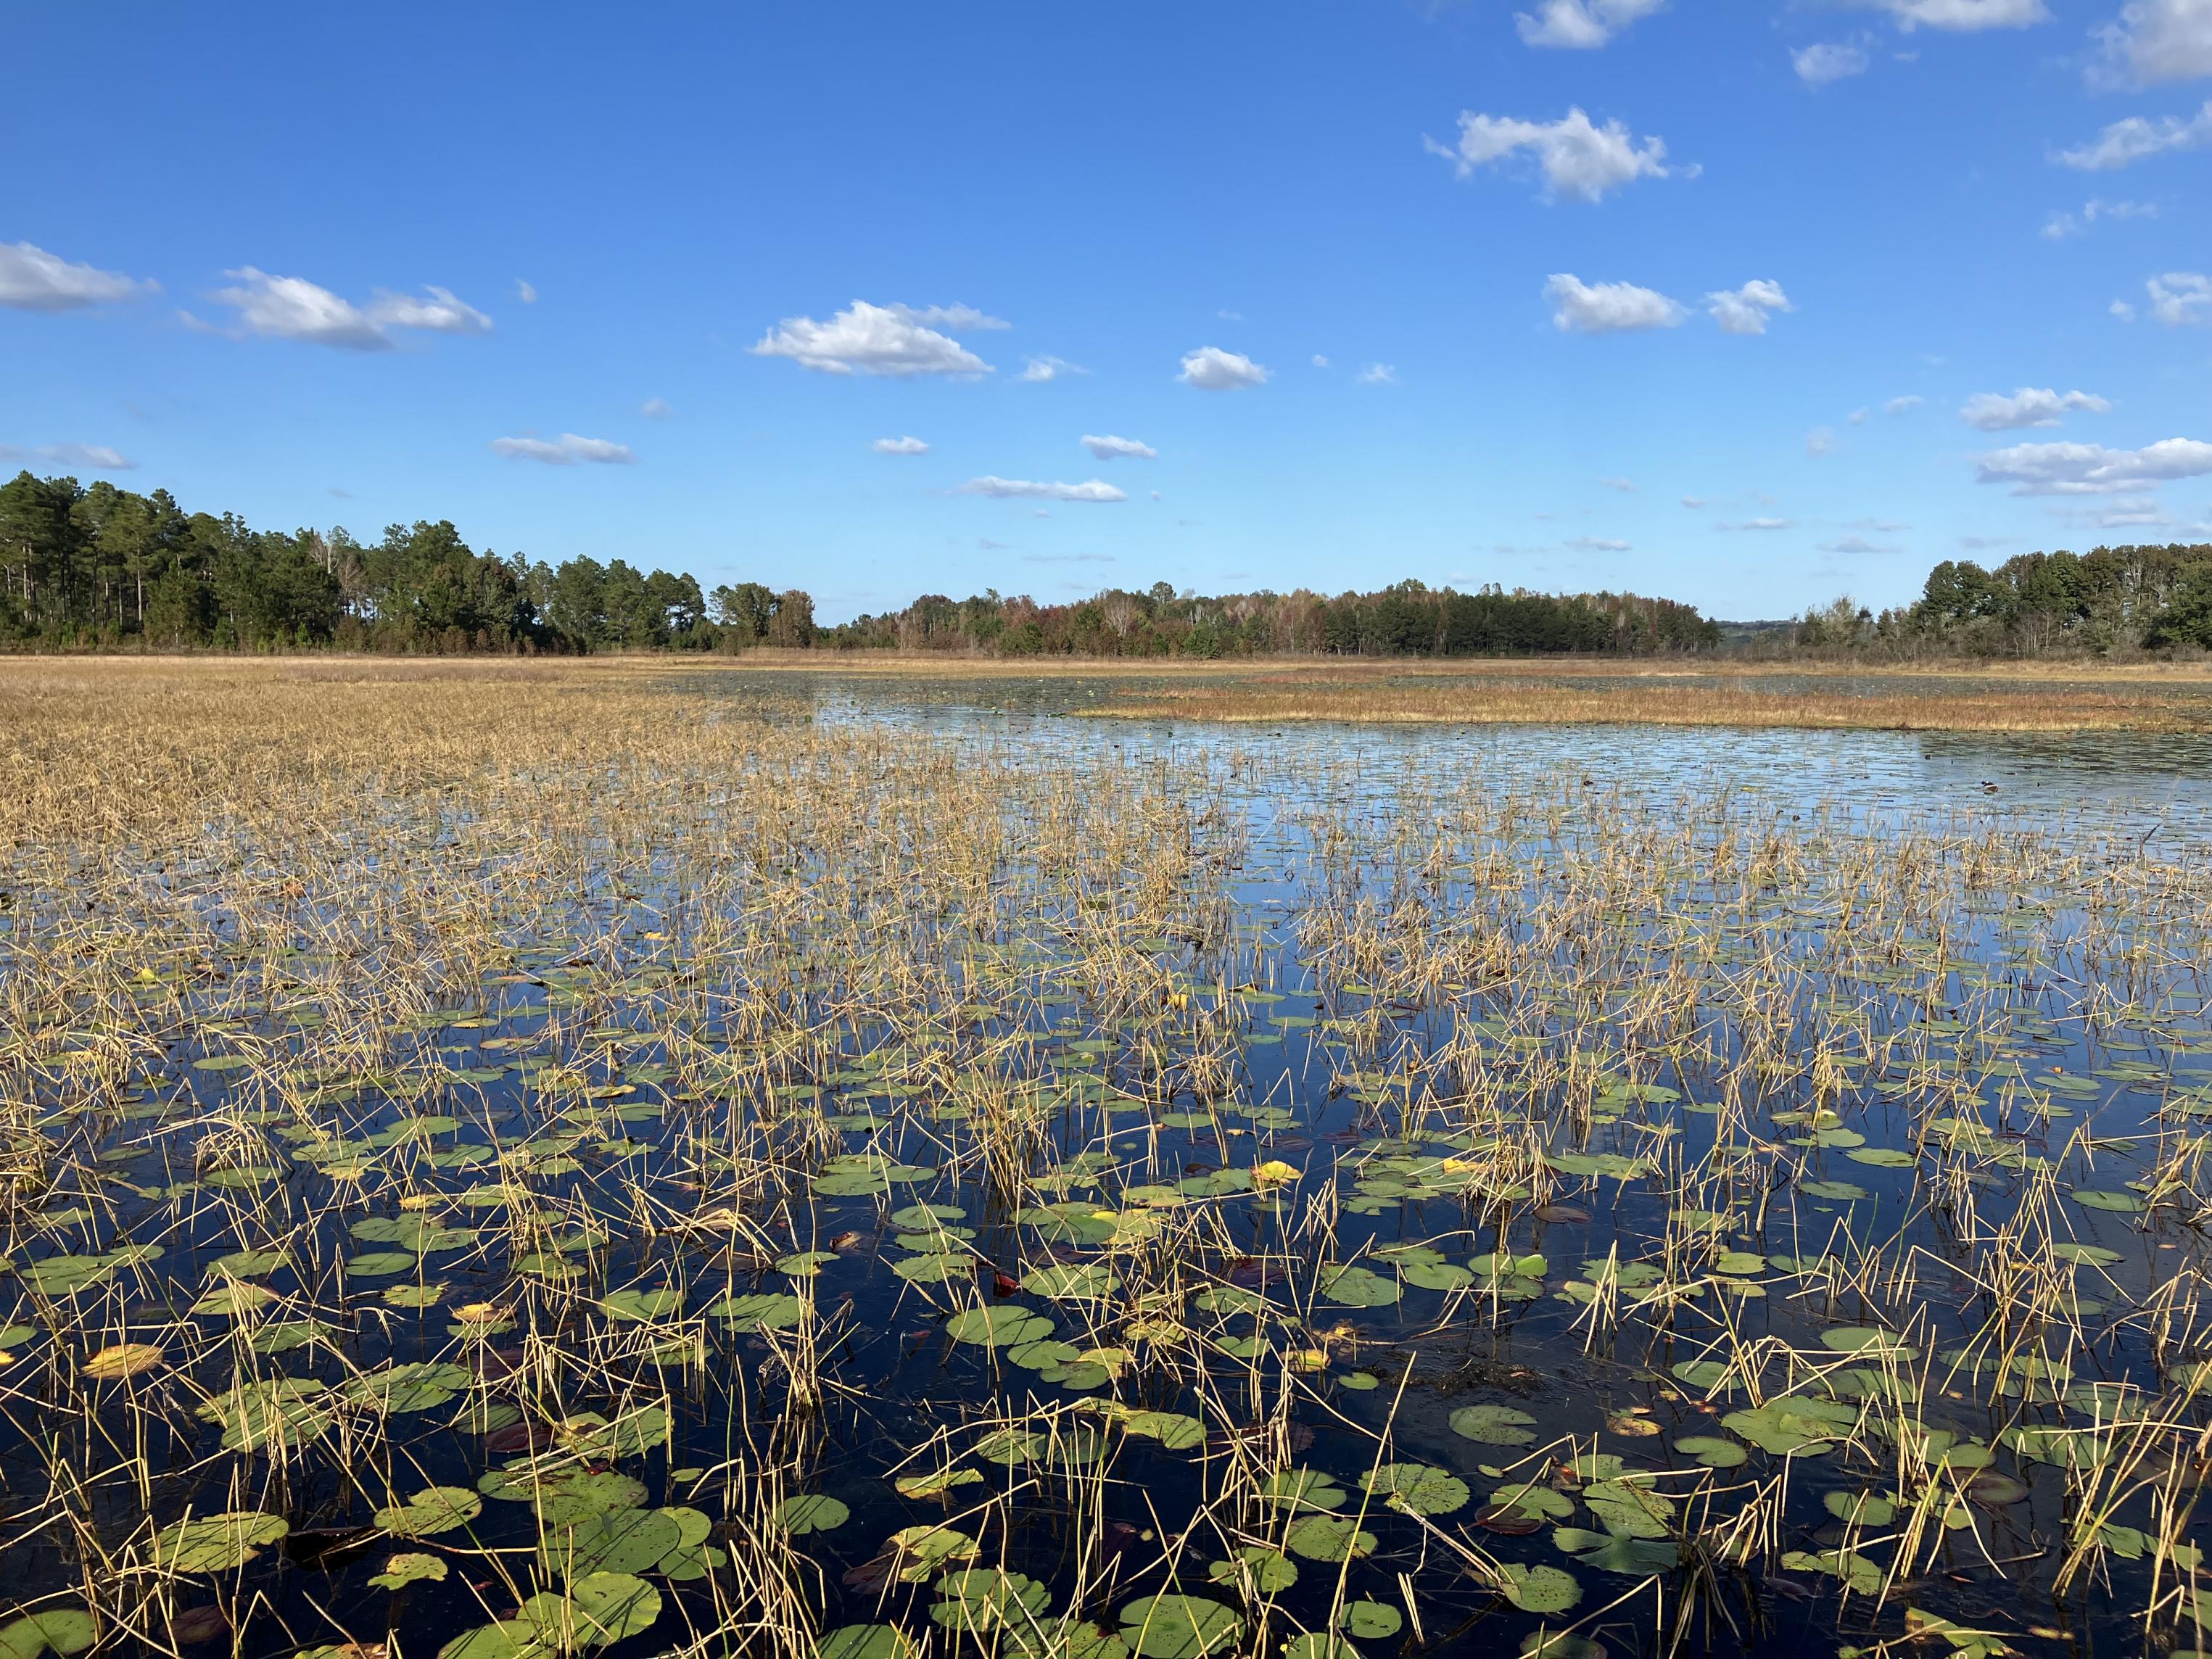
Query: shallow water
[{"x": 1551, "y": 1116}]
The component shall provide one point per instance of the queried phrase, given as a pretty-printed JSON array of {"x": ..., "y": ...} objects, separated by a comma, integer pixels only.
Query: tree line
[
  {"x": 101, "y": 568},
  {"x": 90, "y": 567},
  {"x": 2108, "y": 601}
]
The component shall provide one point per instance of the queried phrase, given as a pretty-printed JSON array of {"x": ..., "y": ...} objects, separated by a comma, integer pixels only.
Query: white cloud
[
  {"x": 524, "y": 292},
  {"x": 565, "y": 450},
  {"x": 1096, "y": 490},
  {"x": 1743, "y": 310},
  {"x": 1993, "y": 411},
  {"x": 2070, "y": 469},
  {"x": 86, "y": 458},
  {"x": 1853, "y": 545},
  {"x": 294, "y": 308},
  {"x": 32, "y": 279},
  {"x": 1600, "y": 544},
  {"x": 1858, "y": 417},
  {"x": 1820, "y": 441},
  {"x": 1580, "y": 24},
  {"x": 1320, "y": 361},
  {"x": 2154, "y": 41},
  {"x": 2180, "y": 299},
  {"x": 655, "y": 409},
  {"x": 1230, "y": 316},
  {"x": 870, "y": 340},
  {"x": 900, "y": 446},
  {"x": 1607, "y": 307},
  {"x": 1760, "y": 524},
  {"x": 1965, "y": 16},
  {"x": 1106, "y": 449},
  {"x": 1377, "y": 374},
  {"x": 1211, "y": 369},
  {"x": 1626, "y": 486},
  {"x": 1911, "y": 400},
  {"x": 1693, "y": 502},
  {"x": 1826, "y": 62},
  {"x": 2060, "y": 225},
  {"x": 1037, "y": 369},
  {"x": 2135, "y": 138},
  {"x": 1580, "y": 162},
  {"x": 952, "y": 316}
]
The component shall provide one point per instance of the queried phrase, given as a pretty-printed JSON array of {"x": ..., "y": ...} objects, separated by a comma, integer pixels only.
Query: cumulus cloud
[
  {"x": 900, "y": 446},
  {"x": 1582, "y": 25},
  {"x": 1911, "y": 400},
  {"x": 1211, "y": 369},
  {"x": 1626, "y": 486},
  {"x": 1097, "y": 489},
  {"x": 1581, "y": 307},
  {"x": 1579, "y": 161},
  {"x": 1758, "y": 524},
  {"x": 2070, "y": 469},
  {"x": 1993, "y": 411},
  {"x": 1965, "y": 16},
  {"x": 32, "y": 279},
  {"x": 524, "y": 292},
  {"x": 1107, "y": 447},
  {"x": 2137, "y": 137},
  {"x": 1600, "y": 544},
  {"x": 867, "y": 339},
  {"x": 655, "y": 409},
  {"x": 1049, "y": 368},
  {"x": 2154, "y": 41},
  {"x": 1826, "y": 62},
  {"x": 1853, "y": 545},
  {"x": 1693, "y": 502},
  {"x": 1320, "y": 361},
  {"x": 1820, "y": 441},
  {"x": 1377, "y": 374},
  {"x": 565, "y": 450},
  {"x": 83, "y": 458},
  {"x": 2180, "y": 299},
  {"x": 1744, "y": 310},
  {"x": 294, "y": 308}
]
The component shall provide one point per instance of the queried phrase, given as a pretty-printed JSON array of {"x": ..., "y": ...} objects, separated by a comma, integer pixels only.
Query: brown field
[{"x": 271, "y": 693}]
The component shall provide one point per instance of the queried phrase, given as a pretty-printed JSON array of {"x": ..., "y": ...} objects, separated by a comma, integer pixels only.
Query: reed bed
[{"x": 570, "y": 1160}]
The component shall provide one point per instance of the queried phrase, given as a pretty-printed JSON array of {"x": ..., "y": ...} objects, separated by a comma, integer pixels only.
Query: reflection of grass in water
[{"x": 550, "y": 1145}]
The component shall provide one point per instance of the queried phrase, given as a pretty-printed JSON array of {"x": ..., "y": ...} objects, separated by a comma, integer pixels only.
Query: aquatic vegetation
[{"x": 586, "y": 1163}]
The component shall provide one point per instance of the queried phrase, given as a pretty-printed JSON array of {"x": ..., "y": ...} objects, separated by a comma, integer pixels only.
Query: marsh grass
[{"x": 563, "y": 1158}]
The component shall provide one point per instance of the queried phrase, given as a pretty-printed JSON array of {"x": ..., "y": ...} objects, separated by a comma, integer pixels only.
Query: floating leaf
[
  {"x": 403, "y": 1570},
  {"x": 1494, "y": 1425},
  {"x": 1004, "y": 1325},
  {"x": 431, "y": 1512},
  {"x": 1539, "y": 1589},
  {"x": 1417, "y": 1487},
  {"x": 1171, "y": 1627},
  {"x": 811, "y": 1512},
  {"x": 121, "y": 1359},
  {"x": 217, "y": 1543},
  {"x": 1328, "y": 1538},
  {"x": 1370, "y": 1620},
  {"x": 1712, "y": 1451}
]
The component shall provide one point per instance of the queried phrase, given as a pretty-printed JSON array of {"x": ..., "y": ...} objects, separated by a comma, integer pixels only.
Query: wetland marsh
[{"x": 530, "y": 1160}]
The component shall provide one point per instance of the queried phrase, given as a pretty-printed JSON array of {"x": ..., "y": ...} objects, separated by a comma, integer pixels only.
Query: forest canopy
[{"x": 91, "y": 568}]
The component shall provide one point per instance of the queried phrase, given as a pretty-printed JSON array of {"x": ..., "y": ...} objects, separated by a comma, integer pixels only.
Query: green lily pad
[
  {"x": 811, "y": 1512},
  {"x": 1172, "y": 1626},
  {"x": 1539, "y": 1589},
  {"x": 217, "y": 1543},
  {"x": 1494, "y": 1425},
  {"x": 1004, "y": 1325}
]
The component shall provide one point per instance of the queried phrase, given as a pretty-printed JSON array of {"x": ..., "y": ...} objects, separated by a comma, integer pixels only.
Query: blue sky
[{"x": 1388, "y": 289}]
